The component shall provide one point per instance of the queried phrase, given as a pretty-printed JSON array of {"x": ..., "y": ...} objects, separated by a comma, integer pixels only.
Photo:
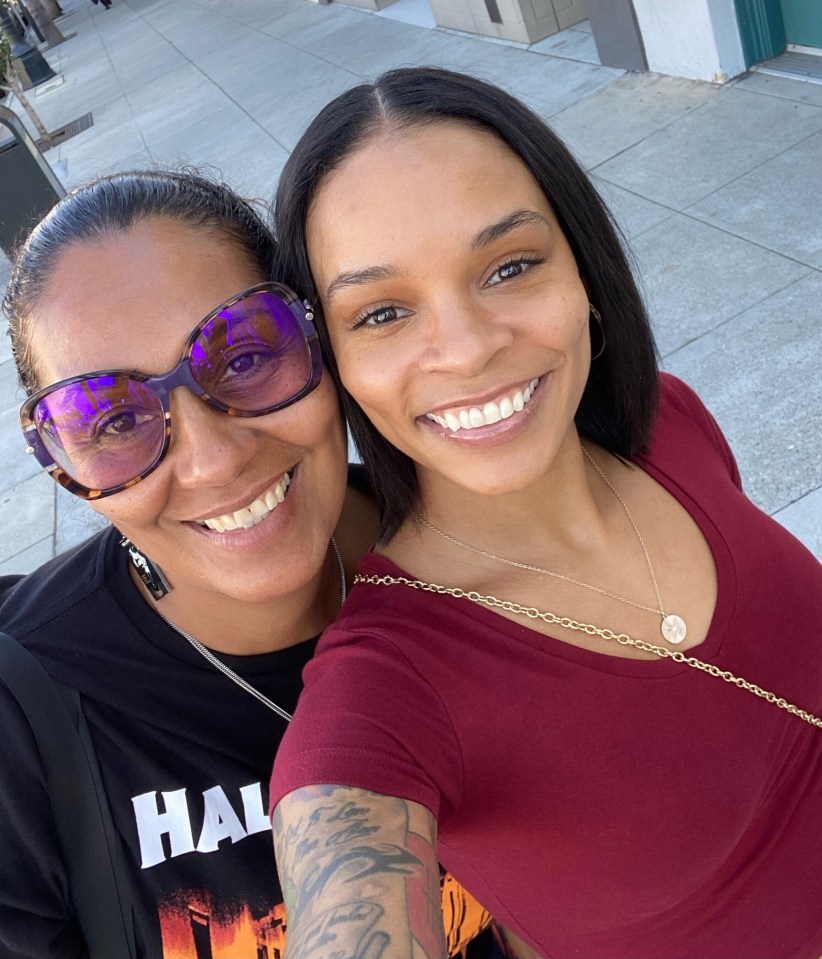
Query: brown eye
[
  {"x": 122, "y": 423},
  {"x": 510, "y": 269},
  {"x": 513, "y": 268},
  {"x": 380, "y": 315}
]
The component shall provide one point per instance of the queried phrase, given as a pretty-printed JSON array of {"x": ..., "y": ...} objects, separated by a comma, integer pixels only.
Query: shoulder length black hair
[{"x": 619, "y": 402}]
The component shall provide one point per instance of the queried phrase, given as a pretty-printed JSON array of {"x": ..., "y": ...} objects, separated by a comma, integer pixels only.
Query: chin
[
  {"x": 493, "y": 486},
  {"x": 251, "y": 593}
]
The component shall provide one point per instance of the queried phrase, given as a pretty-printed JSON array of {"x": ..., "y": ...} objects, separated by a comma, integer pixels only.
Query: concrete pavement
[{"x": 717, "y": 189}]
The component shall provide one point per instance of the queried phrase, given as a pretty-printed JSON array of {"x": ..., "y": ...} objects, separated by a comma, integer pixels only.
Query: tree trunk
[
  {"x": 53, "y": 8},
  {"x": 15, "y": 87},
  {"x": 45, "y": 23}
]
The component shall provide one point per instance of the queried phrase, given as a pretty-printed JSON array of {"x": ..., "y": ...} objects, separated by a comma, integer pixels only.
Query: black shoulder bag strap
[{"x": 99, "y": 887}]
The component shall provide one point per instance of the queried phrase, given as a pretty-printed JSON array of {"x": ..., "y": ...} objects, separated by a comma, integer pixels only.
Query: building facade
[{"x": 703, "y": 39}]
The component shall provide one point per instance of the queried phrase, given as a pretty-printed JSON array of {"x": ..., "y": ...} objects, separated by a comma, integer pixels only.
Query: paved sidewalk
[{"x": 717, "y": 189}]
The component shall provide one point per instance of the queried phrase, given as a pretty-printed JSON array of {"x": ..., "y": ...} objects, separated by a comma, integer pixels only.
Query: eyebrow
[
  {"x": 356, "y": 277},
  {"x": 506, "y": 225},
  {"x": 491, "y": 233}
]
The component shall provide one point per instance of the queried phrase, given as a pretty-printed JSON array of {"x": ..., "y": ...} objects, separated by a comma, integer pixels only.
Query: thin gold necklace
[
  {"x": 672, "y": 627},
  {"x": 531, "y": 612}
]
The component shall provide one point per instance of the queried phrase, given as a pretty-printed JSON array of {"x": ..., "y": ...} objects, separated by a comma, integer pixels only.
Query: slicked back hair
[
  {"x": 620, "y": 397},
  {"x": 107, "y": 206}
]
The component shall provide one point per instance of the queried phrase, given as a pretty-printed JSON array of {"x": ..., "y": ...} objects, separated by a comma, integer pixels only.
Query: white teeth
[
  {"x": 476, "y": 417},
  {"x": 243, "y": 518},
  {"x": 252, "y": 514},
  {"x": 490, "y": 413},
  {"x": 452, "y": 422}
]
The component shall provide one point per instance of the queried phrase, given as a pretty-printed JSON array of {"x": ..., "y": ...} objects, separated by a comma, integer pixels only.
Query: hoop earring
[
  {"x": 150, "y": 574},
  {"x": 598, "y": 318}
]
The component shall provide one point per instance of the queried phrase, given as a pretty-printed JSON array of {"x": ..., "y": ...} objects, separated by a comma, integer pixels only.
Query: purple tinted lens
[
  {"x": 252, "y": 356},
  {"x": 103, "y": 431}
]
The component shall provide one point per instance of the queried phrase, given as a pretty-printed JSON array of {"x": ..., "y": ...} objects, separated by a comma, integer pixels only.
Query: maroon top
[{"x": 601, "y": 808}]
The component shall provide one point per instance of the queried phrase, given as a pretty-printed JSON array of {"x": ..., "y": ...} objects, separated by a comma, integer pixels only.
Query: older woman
[
  {"x": 180, "y": 392},
  {"x": 568, "y": 569}
]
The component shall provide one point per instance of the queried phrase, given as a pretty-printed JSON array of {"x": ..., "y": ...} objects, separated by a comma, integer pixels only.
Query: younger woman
[{"x": 530, "y": 676}]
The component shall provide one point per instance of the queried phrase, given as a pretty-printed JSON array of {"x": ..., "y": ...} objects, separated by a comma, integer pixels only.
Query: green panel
[
  {"x": 803, "y": 22},
  {"x": 761, "y": 29}
]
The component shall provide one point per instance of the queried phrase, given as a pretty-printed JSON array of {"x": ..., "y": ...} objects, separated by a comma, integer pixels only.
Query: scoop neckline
[{"x": 707, "y": 651}]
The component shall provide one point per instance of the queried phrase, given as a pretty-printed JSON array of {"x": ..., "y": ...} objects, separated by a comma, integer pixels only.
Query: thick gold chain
[{"x": 623, "y": 639}]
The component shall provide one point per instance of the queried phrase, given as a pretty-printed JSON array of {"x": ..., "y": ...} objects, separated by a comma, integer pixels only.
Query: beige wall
[{"x": 524, "y": 20}]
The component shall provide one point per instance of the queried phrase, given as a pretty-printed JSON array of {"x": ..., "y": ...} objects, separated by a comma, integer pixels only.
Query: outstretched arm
[{"x": 359, "y": 874}]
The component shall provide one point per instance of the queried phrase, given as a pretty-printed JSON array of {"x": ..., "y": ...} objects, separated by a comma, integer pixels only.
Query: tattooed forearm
[{"x": 359, "y": 875}]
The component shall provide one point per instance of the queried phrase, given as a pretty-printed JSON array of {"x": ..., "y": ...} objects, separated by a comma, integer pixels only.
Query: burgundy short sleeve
[
  {"x": 368, "y": 719},
  {"x": 681, "y": 397}
]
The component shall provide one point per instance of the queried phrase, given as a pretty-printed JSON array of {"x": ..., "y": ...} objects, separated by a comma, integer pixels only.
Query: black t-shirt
[{"x": 185, "y": 756}]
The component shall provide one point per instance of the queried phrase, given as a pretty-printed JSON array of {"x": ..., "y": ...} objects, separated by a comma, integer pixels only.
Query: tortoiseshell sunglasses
[{"x": 100, "y": 433}]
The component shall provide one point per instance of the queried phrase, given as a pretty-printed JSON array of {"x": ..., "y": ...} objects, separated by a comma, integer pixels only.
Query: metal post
[{"x": 28, "y": 186}]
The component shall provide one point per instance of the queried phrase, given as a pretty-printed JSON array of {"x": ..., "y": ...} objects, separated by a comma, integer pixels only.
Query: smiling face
[
  {"x": 242, "y": 507},
  {"x": 454, "y": 305}
]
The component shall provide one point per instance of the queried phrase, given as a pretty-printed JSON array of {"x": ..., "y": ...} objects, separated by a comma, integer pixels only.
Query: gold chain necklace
[
  {"x": 622, "y": 638},
  {"x": 672, "y": 627}
]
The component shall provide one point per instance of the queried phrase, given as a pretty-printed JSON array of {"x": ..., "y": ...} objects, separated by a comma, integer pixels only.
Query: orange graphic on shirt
[
  {"x": 192, "y": 929},
  {"x": 464, "y": 918}
]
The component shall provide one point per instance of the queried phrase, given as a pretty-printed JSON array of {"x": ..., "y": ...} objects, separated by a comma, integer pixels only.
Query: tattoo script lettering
[{"x": 347, "y": 866}]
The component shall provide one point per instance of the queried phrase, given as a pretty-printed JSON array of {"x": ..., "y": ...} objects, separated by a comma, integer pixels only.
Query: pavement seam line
[
  {"x": 202, "y": 73},
  {"x": 713, "y": 329}
]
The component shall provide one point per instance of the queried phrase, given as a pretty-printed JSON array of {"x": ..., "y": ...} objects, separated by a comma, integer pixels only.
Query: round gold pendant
[{"x": 674, "y": 628}]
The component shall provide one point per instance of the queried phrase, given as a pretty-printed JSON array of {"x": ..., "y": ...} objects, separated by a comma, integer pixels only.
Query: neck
[
  {"x": 243, "y": 627},
  {"x": 569, "y": 507}
]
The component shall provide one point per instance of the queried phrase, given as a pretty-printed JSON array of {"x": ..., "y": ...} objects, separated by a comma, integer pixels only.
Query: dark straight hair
[
  {"x": 110, "y": 205},
  {"x": 619, "y": 401}
]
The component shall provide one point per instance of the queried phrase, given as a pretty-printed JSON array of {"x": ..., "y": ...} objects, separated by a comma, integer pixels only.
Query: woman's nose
[
  {"x": 208, "y": 447},
  {"x": 462, "y": 337}
]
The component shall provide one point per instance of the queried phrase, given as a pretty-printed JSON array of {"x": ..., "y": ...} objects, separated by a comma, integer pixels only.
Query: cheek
[
  {"x": 314, "y": 429},
  {"x": 137, "y": 508},
  {"x": 372, "y": 376},
  {"x": 567, "y": 330},
  {"x": 321, "y": 417}
]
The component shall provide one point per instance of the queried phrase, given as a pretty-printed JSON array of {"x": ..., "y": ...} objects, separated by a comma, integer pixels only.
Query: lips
[
  {"x": 252, "y": 514},
  {"x": 502, "y": 407}
]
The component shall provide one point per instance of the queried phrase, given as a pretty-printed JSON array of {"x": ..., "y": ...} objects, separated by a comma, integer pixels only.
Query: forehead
[
  {"x": 448, "y": 178},
  {"x": 128, "y": 300}
]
